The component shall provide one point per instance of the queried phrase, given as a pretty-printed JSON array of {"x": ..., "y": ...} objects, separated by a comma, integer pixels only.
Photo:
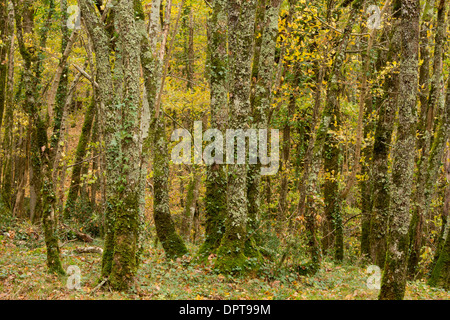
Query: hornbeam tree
[
  {"x": 119, "y": 94},
  {"x": 394, "y": 276}
]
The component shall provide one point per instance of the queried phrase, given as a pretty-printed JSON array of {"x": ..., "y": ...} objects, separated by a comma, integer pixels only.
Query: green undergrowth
[{"x": 23, "y": 275}]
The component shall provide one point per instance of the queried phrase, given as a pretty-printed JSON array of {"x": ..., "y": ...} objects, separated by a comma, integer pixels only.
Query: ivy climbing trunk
[
  {"x": 429, "y": 108},
  {"x": 394, "y": 276},
  {"x": 241, "y": 19},
  {"x": 39, "y": 147},
  {"x": 380, "y": 179},
  {"x": 190, "y": 207},
  {"x": 80, "y": 154},
  {"x": 216, "y": 179},
  {"x": 119, "y": 96},
  {"x": 153, "y": 68},
  {"x": 441, "y": 270},
  {"x": 4, "y": 49},
  {"x": 260, "y": 107}
]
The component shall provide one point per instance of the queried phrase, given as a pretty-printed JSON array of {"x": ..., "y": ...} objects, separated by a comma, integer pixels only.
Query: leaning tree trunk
[
  {"x": 61, "y": 93},
  {"x": 153, "y": 70},
  {"x": 394, "y": 277}
]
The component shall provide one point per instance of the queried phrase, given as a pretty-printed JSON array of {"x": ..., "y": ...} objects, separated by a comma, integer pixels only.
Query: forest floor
[{"x": 23, "y": 275}]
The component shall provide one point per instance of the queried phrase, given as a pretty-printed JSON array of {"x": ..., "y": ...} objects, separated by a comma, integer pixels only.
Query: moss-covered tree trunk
[
  {"x": 190, "y": 206},
  {"x": 241, "y": 19},
  {"x": 285, "y": 164},
  {"x": 216, "y": 179},
  {"x": 152, "y": 65},
  {"x": 380, "y": 179},
  {"x": 333, "y": 233},
  {"x": 109, "y": 115},
  {"x": 39, "y": 148},
  {"x": 61, "y": 93},
  {"x": 172, "y": 243},
  {"x": 126, "y": 231},
  {"x": 119, "y": 100},
  {"x": 260, "y": 107},
  {"x": 372, "y": 105},
  {"x": 429, "y": 108},
  {"x": 7, "y": 165},
  {"x": 394, "y": 276},
  {"x": 440, "y": 274},
  {"x": 50, "y": 213},
  {"x": 79, "y": 158},
  {"x": 4, "y": 49}
]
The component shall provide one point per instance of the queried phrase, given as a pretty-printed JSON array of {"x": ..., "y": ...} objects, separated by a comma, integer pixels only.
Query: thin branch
[
  {"x": 87, "y": 160},
  {"x": 86, "y": 75},
  {"x": 337, "y": 30},
  {"x": 167, "y": 60},
  {"x": 62, "y": 63}
]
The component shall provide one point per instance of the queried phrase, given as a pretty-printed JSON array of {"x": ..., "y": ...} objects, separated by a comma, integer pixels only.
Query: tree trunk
[
  {"x": 379, "y": 179},
  {"x": 216, "y": 174},
  {"x": 4, "y": 49},
  {"x": 331, "y": 106},
  {"x": 172, "y": 243},
  {"x": 152, "y": 65},
  {"x": 119, "y": 98},
  {"x": 394, "y": 277},
  {"x": 241, "y": 19},
  {"x": 190, "y": 206},
  {"x": 7, "y": 165},
  {"x": 39, "y": 148},
  {"x": 429, "y": 107},
  {"x": 79, "y": 158},
  {"x": 440, "y": 276},
  {"x": 260, "y": 106}
]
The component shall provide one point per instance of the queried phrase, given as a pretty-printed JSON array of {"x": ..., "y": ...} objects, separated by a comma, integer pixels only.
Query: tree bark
[
  {"x": 380, "y": 179},
  {"x": 394, "y": 276},
  {"x": 216, "y": 179},
  {"x": 428, "y": 109},
  {"x": 241, "y": 19}
]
